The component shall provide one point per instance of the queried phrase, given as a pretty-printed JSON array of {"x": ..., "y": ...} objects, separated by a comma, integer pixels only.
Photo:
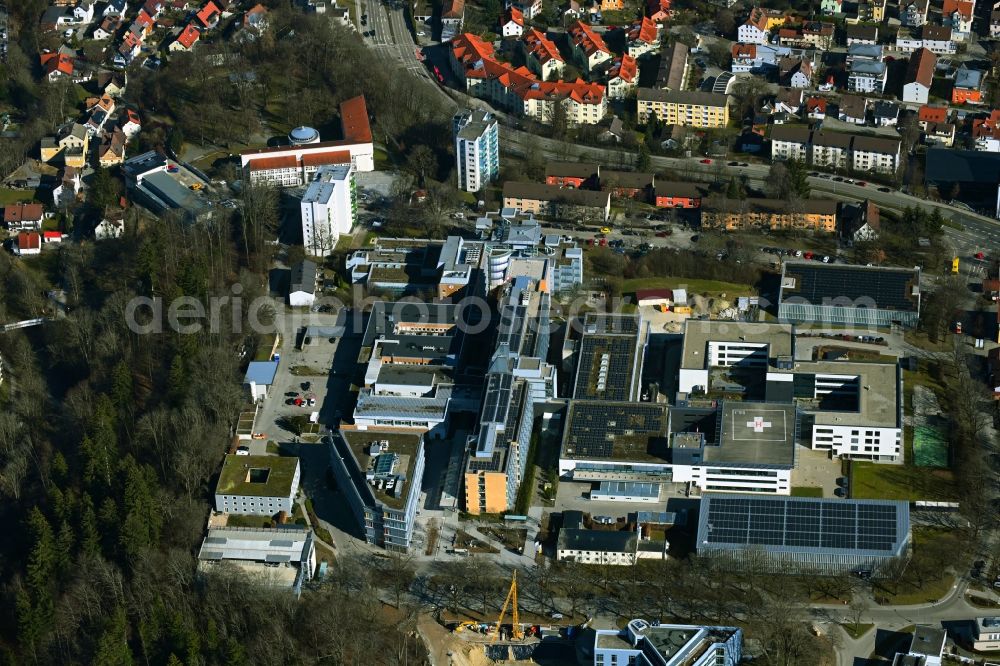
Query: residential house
[
  {"x": 643, "y": 37},
  {"x": 871, "y": 11},
  {"x": 968, "y": 86},
  {"x": 23, "y": 217},
  {"x": 542, "y": 55},
  {"x": 658, "y": 10},
  {"x": 623, "y": 77},
  {"x": 852, "y": 109},
  {"x": 70, "y": 185},
  {"x": 862, "y": 34},
  {"x": 818, "y": 215},
  {"x": 452, "y": 19},
  {"x": 302, "y": 286},
  {"x": 209, "y": 15},
  {"x": 186, "y": 39},
  {"x": 913, "y": 13},
  {"x": 112, "y": 148},
  {"x": 934, "y": 123},
  {"x": 885, "y": 113},
  {"x": 859, "y": 222},
  {"x": 255, "y": 18},
  {"x": 757, "y": 58},
  {"x": 112, "y": 225},
  {"x": 672, "y": 194},
  {"x": 28, "y": 243},
  {"x": 809, "y": 35},
  {"x": 531, "y": 8},
  {"x": 83, "y": 13},
  {"x": 816, "y": 108},
  {"x": 788, "y": 100},
  {"x": 153, "y": 7},
  {"x": 926, "y": 647},
  {"x": 957, "y": 15},
  {"x": 99, "y": 110},
  {"x": 115, "y": 7},
  {"x": 627, "y": 184},
  {"x": 576, "y": 175},
  {"x": 684, "y": 108},
  {"x": 795, "y": 72},
  {"x": 55, "y": 18},
  {"x": 869, "y": 153},
  {"x": 107, "y": 28},
  {"x": 57, "y": 66},
  {"x": 512, "y": 23},
  {"x": 673, "y": 71},
  {"x": 986, "y": 636},
  {"x": 112, "y": 83},
  {"x": 867, "y": 76},
  {"x": 938, "y": 39},
  {"x": 589, "y": 48},
  {"x": 986, "y": 129},
  {"x": 919, "y": 76},
  {"x": 831, "y": 6},
  {"x": 130, "y": 123},
  {"x": 754, "y": 29},
  {"x": 71, "y": 141}
]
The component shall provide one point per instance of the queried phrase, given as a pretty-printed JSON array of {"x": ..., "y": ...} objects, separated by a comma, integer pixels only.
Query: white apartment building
[
  {"x": 328, "y": 208},
  {"x": 477, "y": 149},
  {"x": 790, "y": 143},
  {"x": 875, "y": 154},
  {"x": 867, "y": 76}
]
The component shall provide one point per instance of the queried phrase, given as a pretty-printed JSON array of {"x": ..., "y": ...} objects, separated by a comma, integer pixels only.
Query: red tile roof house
[
  {"x": 577, "y": 175},
  {"x": 23, "y": 217},
  {"x": 676, "y": 195},
  {"x": 28, "y": 242},
  {"x": 209, "y": 15},
  {"x": 57, "y": 65},
  {"x": 51, "y": 237},
  {"x": 189, "y": 35}
]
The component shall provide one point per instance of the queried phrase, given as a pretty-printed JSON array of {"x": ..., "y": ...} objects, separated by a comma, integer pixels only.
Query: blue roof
[
  {"x": 261, "y": 372},
  {"x": 970, "y": 79}
]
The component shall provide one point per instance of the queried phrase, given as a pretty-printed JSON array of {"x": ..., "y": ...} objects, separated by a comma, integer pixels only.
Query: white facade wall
[
  {"x": 751, "y": 34},
  {"x": 915, "y": 92},
  {"x": 707, "y": 477},
  {"x": 789, "y": 150},
  {"x": 858, "y": 441},
  {"x": 596, "y": 557},
  {"x": 722, "y": 354},
  {"x": 327, "y": 209}
]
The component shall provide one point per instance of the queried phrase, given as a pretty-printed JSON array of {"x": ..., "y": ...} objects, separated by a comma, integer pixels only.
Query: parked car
[
  {"x": 242, "y": 450},
  {"x": 705, "y": 161}
]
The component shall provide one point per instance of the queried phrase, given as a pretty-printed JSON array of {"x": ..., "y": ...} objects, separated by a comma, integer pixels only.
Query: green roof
[{"x": 261, "y": 476}]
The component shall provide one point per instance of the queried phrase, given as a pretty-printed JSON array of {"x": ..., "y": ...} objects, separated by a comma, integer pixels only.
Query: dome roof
[{"x": 303, "y": 135}]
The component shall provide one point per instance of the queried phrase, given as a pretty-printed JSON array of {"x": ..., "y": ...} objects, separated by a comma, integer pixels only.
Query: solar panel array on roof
[
  {"x": 605, "y": 367},
  {"x": 498, "y": 394},
  {"x": 801, "y": 524},
  {"x": 595, "y": 428},
  {"x": 512, "y": 325},
  {"x": 825, "y": 284}
]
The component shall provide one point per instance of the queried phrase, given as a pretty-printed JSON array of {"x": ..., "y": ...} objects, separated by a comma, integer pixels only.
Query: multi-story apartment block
[
  {"x": 551, "y": 201},
  {"x": 812, "y": 34},
  {"x": 869, "y": 153},
  {"x": 542, "y": 55},
  {"x": 643, "y": 37},
  {"x": 913, "y": 13},
  {"x": 871, "y": 11},
  {"x": 477, "y": 149},
  {"x": 681, "y": 107},
  {"x": 935, "y": 38},
  {"x": 819, "y": 215},
  {"x": 867, "y": 76},
  {"x": 755, "y": 29},
  {"x": 328, "y": 208},
  {"x": 294, "y": 164},
  {"x": 957, "y": 15},
  {"x": 836, "y": 150},
  {"x": 589, "y": 49},
  {"x": 830, "y": 149},
  {"x": 623, "y": 77},
  {"x": 790, "y": 143}
]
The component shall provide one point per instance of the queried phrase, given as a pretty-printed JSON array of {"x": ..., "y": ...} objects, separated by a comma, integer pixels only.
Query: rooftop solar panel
[
  {"x": 858, "y": 286},
  {"x": 794, "y": 524}
]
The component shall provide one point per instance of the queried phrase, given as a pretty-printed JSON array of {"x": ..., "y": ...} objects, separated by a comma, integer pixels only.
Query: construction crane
[{"x": 510, "y": 601}]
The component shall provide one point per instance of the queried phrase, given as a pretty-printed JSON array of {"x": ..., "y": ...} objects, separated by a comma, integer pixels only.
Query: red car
[
  {"x": 807, "y": 255},
  {"x": 861, "y": 183},
  {"x": 706, "y": 161},
  {"x": 980, "y": 255},
  {"x": 604, "y": 242}
]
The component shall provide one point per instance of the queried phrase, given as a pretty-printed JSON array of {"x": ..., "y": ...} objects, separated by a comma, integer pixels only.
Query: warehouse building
[
  {"x": 866, "y": 296},
  {"x": 833, "y": 536}
]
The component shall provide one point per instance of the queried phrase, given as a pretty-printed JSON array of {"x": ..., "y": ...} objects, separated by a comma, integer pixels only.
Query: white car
[{"x": 242, "y": 450}]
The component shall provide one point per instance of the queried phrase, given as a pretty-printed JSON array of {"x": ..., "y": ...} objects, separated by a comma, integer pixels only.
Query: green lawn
[
  {"x": 693, "y": 286},
  {"x": 909, "y": 590},
  {"x": 806, "y": 491},
  {"x": 8, "y": 196},
  {"x": 856, "y": 631},
  {"x": 901, "y": 482}
]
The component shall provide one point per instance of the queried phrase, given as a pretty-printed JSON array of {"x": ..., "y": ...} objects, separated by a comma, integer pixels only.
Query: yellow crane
[{"x": 510, "y": 601}]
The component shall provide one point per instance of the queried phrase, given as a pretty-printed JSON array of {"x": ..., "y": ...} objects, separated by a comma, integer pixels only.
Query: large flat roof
[
  {"x": 258, "y": 476},
  {"x": 803, "y": 525},
  {"x": 699, "y": 332},
  {"x": 615, "y": 430},
  {"x": 755, "y": 434},
  {"x": 884, "y": 288},
  {"x": 405, "y": 447},
  {"x": 878, "y": 399}
]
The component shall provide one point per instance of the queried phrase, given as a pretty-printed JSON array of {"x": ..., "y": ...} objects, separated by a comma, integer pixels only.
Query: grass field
[
  {"x": 856, "y": 631},
  {"x": 911, "y": 591},
  {"x": 806, "y": 491},
  {"x": 693, "y": 286},
  {"x": 8, "y": 196},
  {"x": 901, "y": 482}
]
